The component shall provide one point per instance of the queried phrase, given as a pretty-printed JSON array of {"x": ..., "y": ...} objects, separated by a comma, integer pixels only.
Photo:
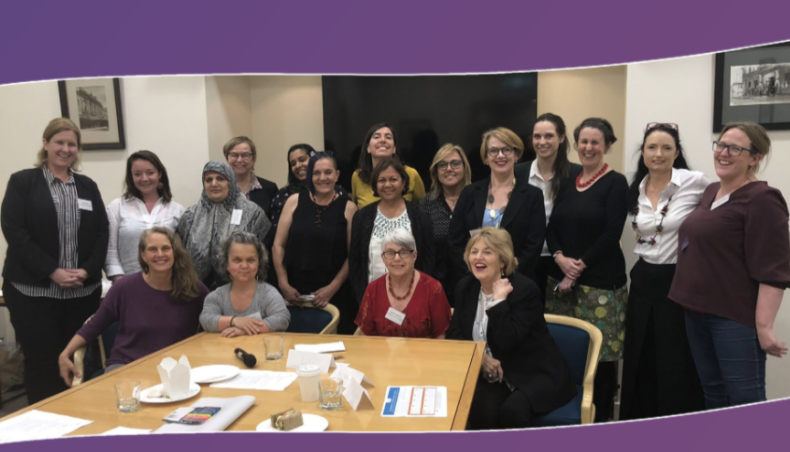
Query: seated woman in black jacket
[
  {"x": 523, "y": 375},
  {"x": 390, "y": 182}
]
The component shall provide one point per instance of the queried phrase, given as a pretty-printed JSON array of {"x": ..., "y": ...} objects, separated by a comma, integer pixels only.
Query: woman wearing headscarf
[{"x": 221, "y": 209}]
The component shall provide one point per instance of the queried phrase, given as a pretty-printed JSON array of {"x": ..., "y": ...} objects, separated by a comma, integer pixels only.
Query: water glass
[
  {"x": 273, "y": 345},
  {"x": 127, "y": 396},
  {"x": 330, "y": 393}
]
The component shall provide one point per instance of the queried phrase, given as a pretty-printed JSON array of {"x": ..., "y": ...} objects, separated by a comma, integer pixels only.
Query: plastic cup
[
  {"x": 127, "y": 396},
  {"x": 309, "y": 376},
  {"x": 273, "y": 346}
]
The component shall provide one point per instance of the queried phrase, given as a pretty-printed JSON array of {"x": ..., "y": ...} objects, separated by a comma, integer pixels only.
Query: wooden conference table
[{"x": 385, "y": 361}]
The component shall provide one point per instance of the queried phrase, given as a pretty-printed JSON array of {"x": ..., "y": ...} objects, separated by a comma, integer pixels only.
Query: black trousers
[
  {"x": 495, "y": 407},
  {"x": 43, "y": 327},
  {"x": 604, "y": 390},
  {"x": 542, "y": 274}
]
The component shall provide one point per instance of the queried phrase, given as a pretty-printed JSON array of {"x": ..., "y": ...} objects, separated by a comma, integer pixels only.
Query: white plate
[
  {"x": 213, "y": 374},
  {"x": 194, "y": 389},
  {"x": 312, "y": 423}
]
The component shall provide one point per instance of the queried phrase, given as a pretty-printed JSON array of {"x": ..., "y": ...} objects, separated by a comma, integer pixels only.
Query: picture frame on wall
[
  {"x": 753, "y": 85},
  {"x": 95, "y": 107}
]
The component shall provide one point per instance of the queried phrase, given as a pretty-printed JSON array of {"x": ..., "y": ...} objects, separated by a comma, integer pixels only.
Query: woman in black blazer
[
  {"x": 371, "y": 223},
  {"x": 523, "y": 375},
  {"x": 502, "y": 201},
  {"x": 56, "y": 227}
]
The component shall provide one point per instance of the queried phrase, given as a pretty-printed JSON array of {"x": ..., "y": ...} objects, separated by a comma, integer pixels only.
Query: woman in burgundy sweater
[
  {"x": 154, "y": 309},
  {"x": 733, "y": 267}
]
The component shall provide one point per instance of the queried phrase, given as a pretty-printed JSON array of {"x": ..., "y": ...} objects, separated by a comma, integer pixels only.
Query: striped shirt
[{"x": 65, "y": 197}]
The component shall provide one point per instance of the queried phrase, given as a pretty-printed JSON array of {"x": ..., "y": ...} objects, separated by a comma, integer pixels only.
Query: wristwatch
[{"x": 554, "y": 256}]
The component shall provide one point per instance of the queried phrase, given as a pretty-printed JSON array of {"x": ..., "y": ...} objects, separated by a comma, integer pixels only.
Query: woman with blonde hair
[
  {"x": 450, "y": 173},
  {"x": 733, "y": 268},
  {"x": 55, "y": 225},
  {"x": 523, "y": 375},
  {"x": 501, "y": 201}
]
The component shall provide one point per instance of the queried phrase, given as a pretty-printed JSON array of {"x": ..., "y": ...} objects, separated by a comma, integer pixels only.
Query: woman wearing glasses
[
  {"x": 405, "y": 302},
  {"x": 583, "y": 235},
  {"x": 659, "y": 377},
  {"x": 450, "y": 173},
  {"x": 503, "y": 202},
  {"x": 372, "y": 223},
  {"x": 733, "y": 267},
  {"x": 241, "y": 156},
  {"x": 311, "y": 244},
  {"x": 380, "y": 143}
]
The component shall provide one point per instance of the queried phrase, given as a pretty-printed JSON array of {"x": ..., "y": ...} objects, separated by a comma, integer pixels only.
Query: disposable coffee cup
[{"x": 309, "y": 376}]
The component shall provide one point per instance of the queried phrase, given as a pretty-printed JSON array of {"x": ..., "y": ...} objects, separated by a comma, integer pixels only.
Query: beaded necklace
[
  {"x": 600, "y": 172},
  {"x": 408, "y": 292},
  {"x": 652, "y": 240}
]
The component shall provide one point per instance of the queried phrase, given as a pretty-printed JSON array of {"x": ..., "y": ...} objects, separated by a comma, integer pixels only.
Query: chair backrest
[
  {"x": 580, "y": 345},
  {"x": 309, "y": 319},
  {"x": 106, "y": 341}
]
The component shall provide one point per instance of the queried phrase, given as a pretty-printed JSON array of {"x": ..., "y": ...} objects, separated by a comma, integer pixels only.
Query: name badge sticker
[
  {"x": 236, "y": 217},
  {"x": 395, "y": 316},
  {"x": 85, "y": 204}
]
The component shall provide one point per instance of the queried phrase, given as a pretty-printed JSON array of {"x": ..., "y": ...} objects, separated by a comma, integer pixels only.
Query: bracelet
[{"x": 231, "y": 320}]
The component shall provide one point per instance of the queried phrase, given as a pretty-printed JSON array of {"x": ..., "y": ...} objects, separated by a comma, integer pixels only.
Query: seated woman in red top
[{"x": 404, "y": 302}]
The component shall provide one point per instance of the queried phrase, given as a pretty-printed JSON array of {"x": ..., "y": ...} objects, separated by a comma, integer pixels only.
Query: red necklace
[
  {"x": 408, "y": 292},
  {"x": 592, "y": 179}
]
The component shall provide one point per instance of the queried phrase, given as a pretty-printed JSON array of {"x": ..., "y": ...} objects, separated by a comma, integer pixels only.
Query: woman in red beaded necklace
[
  {"x": 583, "y": 236},
  {"x": 405, "y": 302}
]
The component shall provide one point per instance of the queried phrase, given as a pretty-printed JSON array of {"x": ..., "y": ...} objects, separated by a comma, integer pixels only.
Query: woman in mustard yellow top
[{"x": 380, "y": 143}]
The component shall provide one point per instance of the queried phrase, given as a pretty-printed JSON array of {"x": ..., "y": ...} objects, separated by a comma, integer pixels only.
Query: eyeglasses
[
  {"x": 402, "y": 253},
  {"x": 454, "y": 164},
  {"x": 668, "y": 125},
  {"x": 235, "y": 156},
  {"x": 314, "y": 153},
  {"x": 732, "y": 150},
  {"x": 493, "y": 152}
]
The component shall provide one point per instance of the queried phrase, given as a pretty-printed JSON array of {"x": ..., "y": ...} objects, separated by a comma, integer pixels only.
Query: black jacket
[
  {"x": 30, "y": 227},
  {"x": 524, "y": 219},
  {"x": 264, "y": 196},
  {"x": 519, "y": 338},
  {"x": 362, "y": 229}
]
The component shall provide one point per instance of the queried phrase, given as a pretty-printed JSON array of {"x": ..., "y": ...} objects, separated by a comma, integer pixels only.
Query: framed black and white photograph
[
  {"x": 95, "y": 106},
  {"x": 753, "y": 85}
]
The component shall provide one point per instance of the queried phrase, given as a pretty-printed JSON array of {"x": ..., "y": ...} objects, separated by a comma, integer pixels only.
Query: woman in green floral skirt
[{"x": 583, "y": 235}]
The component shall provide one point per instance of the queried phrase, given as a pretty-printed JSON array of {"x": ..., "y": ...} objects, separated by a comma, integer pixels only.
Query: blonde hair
[
  {"x": 441, "y": 154},
  {"x": 758, "y": 136},
  {"x": 54, "y": 127},
  {"x": 504, "y": 135},
  {"x": 499, "y": 241}
]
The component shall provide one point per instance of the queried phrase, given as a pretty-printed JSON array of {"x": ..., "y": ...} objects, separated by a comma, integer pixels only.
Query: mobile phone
[{"x": 199, "y": 415}]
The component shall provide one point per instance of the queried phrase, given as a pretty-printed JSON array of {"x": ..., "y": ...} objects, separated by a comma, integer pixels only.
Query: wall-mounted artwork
[{"x": 95, "y": 106}]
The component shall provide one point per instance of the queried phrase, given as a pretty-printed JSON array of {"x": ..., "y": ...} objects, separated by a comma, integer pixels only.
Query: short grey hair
[
  {"x": 242, "y": 238},
  {"x": 400, "y": 237}
]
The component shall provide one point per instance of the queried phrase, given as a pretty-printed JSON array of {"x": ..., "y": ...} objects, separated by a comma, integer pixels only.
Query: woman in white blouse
[
  {"x": 146, "y": 202},
  {"x": 659, "y": 376}
]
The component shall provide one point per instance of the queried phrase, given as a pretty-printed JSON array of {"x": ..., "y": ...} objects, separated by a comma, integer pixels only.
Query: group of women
[{"x": 541, "y": 236}]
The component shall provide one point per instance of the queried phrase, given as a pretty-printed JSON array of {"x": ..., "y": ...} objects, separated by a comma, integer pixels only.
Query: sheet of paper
[
  {"x": 415, "y": 401},
  {"x": 125, "y": 431},
  {"x": 261, "y": 380},
  {"x": 36, "y": 424},
  {"x": 298, "y": 357},
  {"x": 322, "y": 348},
  {"x": 344, "y": 371}
]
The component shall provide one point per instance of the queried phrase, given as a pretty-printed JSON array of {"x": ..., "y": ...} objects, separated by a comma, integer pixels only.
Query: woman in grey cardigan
[{"x": 247, "y": 305}]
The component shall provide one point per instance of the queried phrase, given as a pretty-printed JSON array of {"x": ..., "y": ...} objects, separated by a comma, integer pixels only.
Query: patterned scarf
[{"x": 207, "y": 223}]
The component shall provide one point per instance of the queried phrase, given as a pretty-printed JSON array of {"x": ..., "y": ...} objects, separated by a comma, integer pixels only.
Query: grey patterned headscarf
[{"x": 204, "y": 225}]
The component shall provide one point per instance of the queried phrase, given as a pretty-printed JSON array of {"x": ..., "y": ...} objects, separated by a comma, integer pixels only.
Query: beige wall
[
  {"x": 285, "y": 110},
  {"x": 229, "y": 111},
  {"x": 582, "y": 93}
]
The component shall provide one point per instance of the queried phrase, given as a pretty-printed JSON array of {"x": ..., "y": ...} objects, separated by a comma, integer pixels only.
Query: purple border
[
  {"x": 96, "y": 38},
  {"x": 148, "y": 37}
]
